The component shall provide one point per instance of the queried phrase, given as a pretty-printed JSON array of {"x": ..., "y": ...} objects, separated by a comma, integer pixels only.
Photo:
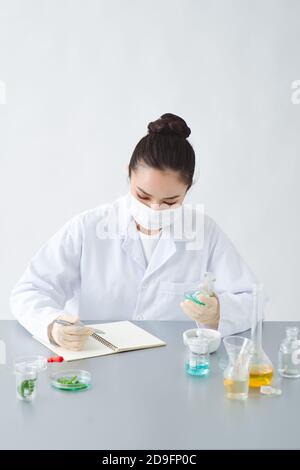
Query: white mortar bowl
[{"x": 213, "y": 336}]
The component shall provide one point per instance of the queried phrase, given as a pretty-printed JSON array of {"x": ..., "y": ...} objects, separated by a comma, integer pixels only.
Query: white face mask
[{"x": 153, "y": 219}]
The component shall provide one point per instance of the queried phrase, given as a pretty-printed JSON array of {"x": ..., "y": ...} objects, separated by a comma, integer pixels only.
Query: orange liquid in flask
[{"x": 260, "y": 375}]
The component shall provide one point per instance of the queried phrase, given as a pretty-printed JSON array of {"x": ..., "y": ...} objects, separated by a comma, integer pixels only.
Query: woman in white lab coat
[{"x": 125, "y": 261}]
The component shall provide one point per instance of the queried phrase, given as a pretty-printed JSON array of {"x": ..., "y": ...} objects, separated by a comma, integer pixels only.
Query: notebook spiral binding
[{"x": 104, "y": 341}]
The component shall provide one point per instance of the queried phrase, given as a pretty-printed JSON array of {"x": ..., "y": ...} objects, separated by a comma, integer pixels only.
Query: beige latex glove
[
  {"x": 69, "y": 337},
  {"x": 208, "y": 314}
]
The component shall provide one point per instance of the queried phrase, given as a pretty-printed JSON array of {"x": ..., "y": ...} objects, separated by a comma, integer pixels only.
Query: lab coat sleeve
[
  {"x": 50, "y": 279},
  {"x": 234, "y": 283}
]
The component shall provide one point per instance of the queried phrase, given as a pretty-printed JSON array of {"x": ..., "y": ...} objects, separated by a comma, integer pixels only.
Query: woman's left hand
[{"x": 208, "y": 314}]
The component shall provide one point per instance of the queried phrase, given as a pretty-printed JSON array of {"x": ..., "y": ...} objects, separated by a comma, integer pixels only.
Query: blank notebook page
[{"x": 126, "y": 336}]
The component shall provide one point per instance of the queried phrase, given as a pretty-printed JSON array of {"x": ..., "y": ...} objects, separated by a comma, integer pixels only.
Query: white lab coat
[{"x": 108, "y": 279}]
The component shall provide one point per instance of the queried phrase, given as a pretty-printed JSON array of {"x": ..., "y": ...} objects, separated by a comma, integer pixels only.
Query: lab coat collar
[
  {"x": 164, "y": 249},
  {"x": 132, "y": 244},
  {"x": 120, "y": 224}
]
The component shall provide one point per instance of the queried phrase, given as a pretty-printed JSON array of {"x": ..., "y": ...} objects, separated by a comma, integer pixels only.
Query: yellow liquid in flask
[{"x": 260, "y": 375}]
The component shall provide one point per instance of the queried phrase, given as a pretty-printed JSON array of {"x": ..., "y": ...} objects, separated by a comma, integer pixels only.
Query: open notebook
[{"x": 118, "y": 337}]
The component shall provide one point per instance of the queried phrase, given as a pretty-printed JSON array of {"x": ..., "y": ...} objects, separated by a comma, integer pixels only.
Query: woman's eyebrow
[
  {"x": 147, "y": 194},
  {"x": 140, "y": 189}
]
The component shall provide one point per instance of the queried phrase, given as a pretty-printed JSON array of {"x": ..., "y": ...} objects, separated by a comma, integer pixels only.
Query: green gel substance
[
  {"x": 72, "y": 383},
  {"x": 194, "y": 297},
  {"x": 26, "y": 388}
]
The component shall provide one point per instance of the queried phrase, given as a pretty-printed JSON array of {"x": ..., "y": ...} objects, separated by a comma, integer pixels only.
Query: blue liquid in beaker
[{"x": 199, "y": 369}]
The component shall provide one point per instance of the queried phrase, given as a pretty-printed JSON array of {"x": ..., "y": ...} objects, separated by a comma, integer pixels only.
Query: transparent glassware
[
  {"x": 194, "y": 296},
  {"x": 205, "y": 288},
  {"x": 26, "y": 382},
  {"x": 236, "y": 374},
  {"x": 289, "y": 354},
  {"x": 261, "y": 367},
  {"x": 73, "y": 380},
  {"x": 26, "y": 370},
  {"x": 197, "y": 356}
]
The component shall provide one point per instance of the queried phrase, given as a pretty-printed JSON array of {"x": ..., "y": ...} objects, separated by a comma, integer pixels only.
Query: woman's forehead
[{"x": 153, "y": 181}]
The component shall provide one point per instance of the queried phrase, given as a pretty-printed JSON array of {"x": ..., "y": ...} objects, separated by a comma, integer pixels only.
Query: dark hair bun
[{"x": 169, "y": 124}]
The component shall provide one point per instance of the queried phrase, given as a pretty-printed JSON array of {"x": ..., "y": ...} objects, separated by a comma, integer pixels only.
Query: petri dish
[{"x": 71, "y": 380}]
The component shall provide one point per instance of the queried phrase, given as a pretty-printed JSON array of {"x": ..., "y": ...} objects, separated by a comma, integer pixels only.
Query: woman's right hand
[{"x": 71, "y": 337}]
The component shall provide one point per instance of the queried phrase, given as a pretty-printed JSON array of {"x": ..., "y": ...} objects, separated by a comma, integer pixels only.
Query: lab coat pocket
[
  {"x": 177, "y": 288},
  {"x": 170, "y": 294}
]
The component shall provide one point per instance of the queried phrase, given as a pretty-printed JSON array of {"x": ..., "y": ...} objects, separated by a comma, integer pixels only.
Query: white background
[{"x": 84, "y": 78}]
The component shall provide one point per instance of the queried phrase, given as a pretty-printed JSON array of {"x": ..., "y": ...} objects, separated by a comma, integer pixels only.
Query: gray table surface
[{"x": 145, "y": 400}]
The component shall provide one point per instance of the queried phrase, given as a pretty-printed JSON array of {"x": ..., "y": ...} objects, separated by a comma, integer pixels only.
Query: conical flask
[{"x": 261, "y": 368}]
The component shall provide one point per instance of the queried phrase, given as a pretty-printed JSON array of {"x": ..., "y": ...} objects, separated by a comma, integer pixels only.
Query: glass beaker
[
  {"x": 26, "y": 370},
  {"x": 289, "y": 354},
  {"x": 236, "y": 374},
  {"x": 261, "y": 368},
  {"x": 26, "y": 381},
  {"x": 197, "y": 356}
]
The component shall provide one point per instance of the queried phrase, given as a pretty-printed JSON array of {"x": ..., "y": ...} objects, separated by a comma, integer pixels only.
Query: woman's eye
[
  {"x": 170, "y": 203},
  {"x": 145, "y": 198}
]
